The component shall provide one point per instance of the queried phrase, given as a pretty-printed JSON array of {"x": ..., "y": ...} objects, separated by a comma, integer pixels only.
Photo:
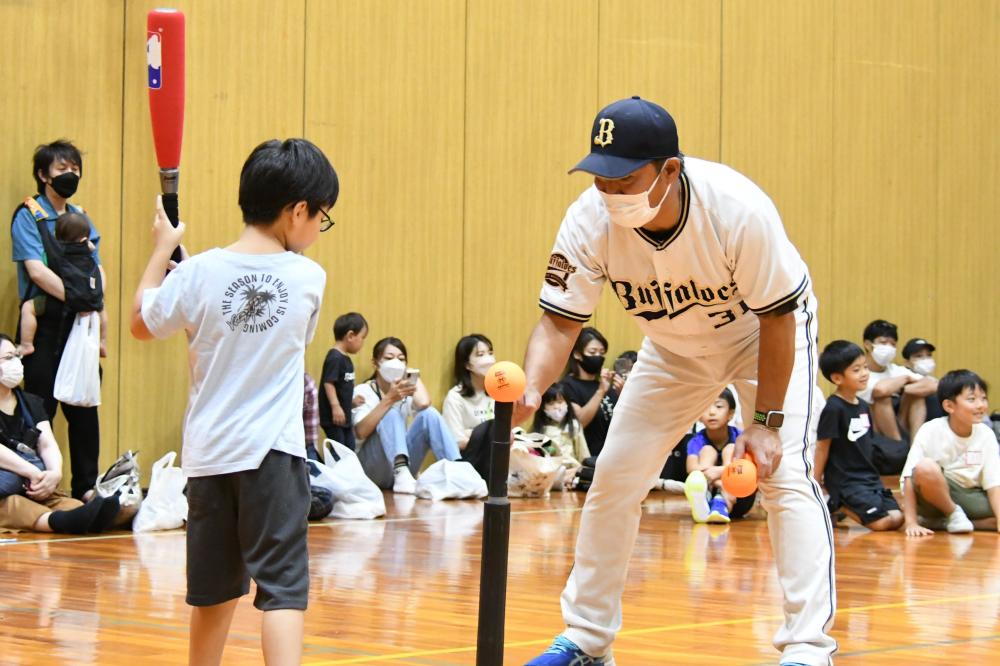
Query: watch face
[{"x": 775, "y": 419}]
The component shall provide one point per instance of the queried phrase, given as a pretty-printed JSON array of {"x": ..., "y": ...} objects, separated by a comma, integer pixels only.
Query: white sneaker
[
  {"x": 695, "y": 489},
  {"x": 672, "y": 486},
  {"x": 404, "y": 482},
  {"x": 958, "y": 522}
]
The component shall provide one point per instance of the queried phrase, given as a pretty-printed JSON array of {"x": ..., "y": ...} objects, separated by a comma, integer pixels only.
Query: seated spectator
[
  {"x": 896, "y": 395},
  {"x": 708, "y": 453},
  {"x": 467, "y": 403},
  {"x": 844, "y": 444},
  {"x": 31, "y": 464},
  {"x": 624, "y": 363},
  {"x": 591, "y": 388},
  {"x": 951, "y": 479},
  {"x": 918, "y": 356},
  {"x": 555, "y": 419},
  {"x": 335, "y": 400},
  {"x": 394, "y": 422}
]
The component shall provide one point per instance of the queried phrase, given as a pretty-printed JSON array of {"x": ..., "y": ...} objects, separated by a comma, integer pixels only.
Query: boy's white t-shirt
[
  {"x": 971, "y": 462},
  {"x": 369, "y": 391},
  {"x": 248, "y": 319},
  {"x": 891, "y": 372},
  {"x": 463, "y": 414},
  {"x": 695, "y": 292}
]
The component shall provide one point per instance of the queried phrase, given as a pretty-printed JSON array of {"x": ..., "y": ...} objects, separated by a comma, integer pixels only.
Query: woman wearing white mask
[
  {"x": 467, "y": 404},
  {"x": 31, "y": 464},
  {"x": 394, "y": 422}
]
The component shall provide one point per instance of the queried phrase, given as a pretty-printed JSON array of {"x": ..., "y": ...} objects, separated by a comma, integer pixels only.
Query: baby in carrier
[{"x": 80, "y": 274}]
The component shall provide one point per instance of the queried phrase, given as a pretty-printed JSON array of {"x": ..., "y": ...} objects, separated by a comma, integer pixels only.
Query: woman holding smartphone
[
  {"x": 394, "y": 422},
  {"x": 591, "y": 388}
]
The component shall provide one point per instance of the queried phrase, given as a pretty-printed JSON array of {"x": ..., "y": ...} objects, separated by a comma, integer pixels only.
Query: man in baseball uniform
[{"x": 697, "y": 254}]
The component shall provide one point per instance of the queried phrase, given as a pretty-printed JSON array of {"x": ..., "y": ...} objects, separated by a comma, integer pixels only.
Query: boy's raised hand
[{"x": 165, "y": 235}]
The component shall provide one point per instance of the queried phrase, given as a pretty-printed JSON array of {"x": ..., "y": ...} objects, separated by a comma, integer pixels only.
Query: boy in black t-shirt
[
  {"x": 844, "y": 443},
  {"x": 337, "y": 394}
]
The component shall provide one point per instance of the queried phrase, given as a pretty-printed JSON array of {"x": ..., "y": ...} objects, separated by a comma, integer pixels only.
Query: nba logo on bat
[{"x": 154, "y": 67}]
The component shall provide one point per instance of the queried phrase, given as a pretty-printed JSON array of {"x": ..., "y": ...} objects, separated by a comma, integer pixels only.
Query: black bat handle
[{"x": 170, "y": 207}]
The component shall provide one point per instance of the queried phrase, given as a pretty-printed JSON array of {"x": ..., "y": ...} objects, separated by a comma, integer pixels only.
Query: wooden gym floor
[{"x": 403, "y": 590}]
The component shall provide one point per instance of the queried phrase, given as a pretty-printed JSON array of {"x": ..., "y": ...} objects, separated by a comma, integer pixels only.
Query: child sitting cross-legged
[
  {"x": 951, "y": 479},
  {"x": 708, "y": 453},
  {"x": 844, "y": 445}
]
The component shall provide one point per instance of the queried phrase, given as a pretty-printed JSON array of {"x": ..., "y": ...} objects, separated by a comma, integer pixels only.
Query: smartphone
[
  {"x": 412, "y": 375},
  {"x": 623, "y": 366}
]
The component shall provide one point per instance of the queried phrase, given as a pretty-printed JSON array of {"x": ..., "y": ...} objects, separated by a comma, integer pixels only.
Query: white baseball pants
[{"x": 664, "y": 395}]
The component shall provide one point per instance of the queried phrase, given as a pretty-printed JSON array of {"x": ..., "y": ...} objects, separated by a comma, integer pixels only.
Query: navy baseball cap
[
  {"x": 915, "y": 345},
  {"x": 627, "y": 135}
]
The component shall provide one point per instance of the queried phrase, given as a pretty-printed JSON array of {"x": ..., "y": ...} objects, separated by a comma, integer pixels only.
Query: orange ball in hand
[
  {"x": 505, "y": 382},
  {"x": 739, "y": 479}
]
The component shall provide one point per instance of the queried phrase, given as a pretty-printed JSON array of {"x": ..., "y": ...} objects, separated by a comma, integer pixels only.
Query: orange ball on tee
[{"x": 505, "y": 382}]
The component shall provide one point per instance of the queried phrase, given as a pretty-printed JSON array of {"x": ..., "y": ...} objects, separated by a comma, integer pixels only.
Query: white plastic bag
[
  {"x": 531, "y": 475},
  {"x": 450, "y": 479},
  {"x": 165, "y": 506},
  {"x": 355, "y": 496},
  {"x": 122, "y": 478},
  {"x": 78, "y": 379}
]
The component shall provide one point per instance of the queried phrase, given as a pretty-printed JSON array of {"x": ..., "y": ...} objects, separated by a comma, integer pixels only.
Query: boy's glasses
[{"x": 327, "y": 222}]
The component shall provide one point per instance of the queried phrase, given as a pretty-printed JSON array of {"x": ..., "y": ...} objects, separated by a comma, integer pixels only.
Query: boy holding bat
[{"x": 248, "y": 311}]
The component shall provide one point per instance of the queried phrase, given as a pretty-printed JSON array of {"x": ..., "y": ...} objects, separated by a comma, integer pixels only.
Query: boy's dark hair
[
  {"x": 380, "y": 347},
  {"x": 465, "y": 347},
  {"x": 838, "y": 357},
  {"x": 553, "y": 393},
  {"x": 953, "y": 383},
  {"x": 47, "y": 153},
  {"x": 878, "y": 329},
  {"x": 352, "y": 322},
  {"x": 629, "y": 355},
  {"x": 71, "y": 227},
  {"x": 730, "y": 399},
  {"x": 587, "y": 335},
  {"x": 4, "y": 336},
  {"x": 279, "y": 174}
]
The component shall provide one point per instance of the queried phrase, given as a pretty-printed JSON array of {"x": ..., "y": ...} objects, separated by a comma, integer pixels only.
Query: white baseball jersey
[{"x": 693, "y": 291}]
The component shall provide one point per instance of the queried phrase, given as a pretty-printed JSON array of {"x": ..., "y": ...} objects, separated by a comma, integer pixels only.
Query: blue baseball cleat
[{"x": 564, "y": 652}]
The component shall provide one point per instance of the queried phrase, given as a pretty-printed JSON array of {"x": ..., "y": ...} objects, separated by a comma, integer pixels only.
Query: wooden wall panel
[
  {"x": 669, "y": 53},
  {"x": 62, "y": 74},
  {"x": 777, "y": 120},
  {"x": 452, "y": 122},
  {"x": 244, "y": 85},
  {"x": 967, "y": 304},
  {"x": 384, "y": 98},
  {"x": 885, "y": 166},
  {"x": 531, "y": 94}
]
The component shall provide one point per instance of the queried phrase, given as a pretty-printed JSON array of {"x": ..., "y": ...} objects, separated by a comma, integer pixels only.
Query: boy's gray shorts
[{"x": 247, "y": 525}]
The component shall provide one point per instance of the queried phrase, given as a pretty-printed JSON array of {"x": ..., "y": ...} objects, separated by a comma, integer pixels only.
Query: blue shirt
[
  {"x": 26, "y": 242},
  {"x": 699, "y": 441}
]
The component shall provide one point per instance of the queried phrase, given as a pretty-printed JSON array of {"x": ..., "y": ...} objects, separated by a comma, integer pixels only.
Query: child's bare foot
[{"x": 26, "y": 349}]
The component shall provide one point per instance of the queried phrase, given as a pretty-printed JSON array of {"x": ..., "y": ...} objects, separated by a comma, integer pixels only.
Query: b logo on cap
[{"x": 604, "y": 137}]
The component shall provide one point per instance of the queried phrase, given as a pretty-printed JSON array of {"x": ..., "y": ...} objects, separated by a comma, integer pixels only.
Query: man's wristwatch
[{"x": 772, "y": 419}]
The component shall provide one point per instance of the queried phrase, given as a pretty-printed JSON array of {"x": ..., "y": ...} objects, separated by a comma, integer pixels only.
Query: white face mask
[
  {"x": 633, "y": 210},
  {"x": 11, "y": 372},
  {"x": 556, "y": 412},
  {"x": 482, "y": 364},
  {"x": 924, "y": 366},
  {"x": 392, "y": 370},
  {"x": 883, "y": 354}
]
